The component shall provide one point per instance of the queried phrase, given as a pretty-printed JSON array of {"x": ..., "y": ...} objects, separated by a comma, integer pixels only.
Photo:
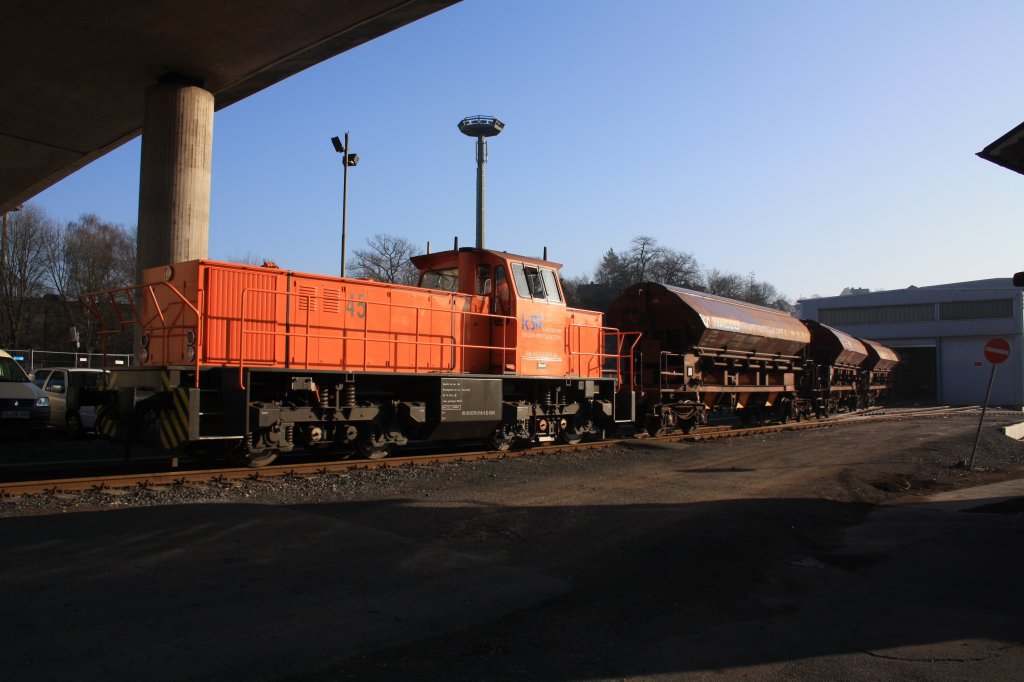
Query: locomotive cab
[{"x": 523, "y": 299}]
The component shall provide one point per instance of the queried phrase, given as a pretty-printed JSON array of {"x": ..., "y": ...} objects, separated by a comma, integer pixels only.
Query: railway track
[{"x": 100, "y": 481}]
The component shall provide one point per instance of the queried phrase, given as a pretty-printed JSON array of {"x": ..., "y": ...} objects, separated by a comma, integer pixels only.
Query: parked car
[
  {"x": 72, "y": 393},
  {"x": 23, "y": 406}
]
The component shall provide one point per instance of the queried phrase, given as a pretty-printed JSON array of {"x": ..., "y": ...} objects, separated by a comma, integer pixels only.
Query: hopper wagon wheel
[
  {"x": 687, "y": 417},
  {"x": 499, "y": 440},
  {"x": 785, "y": 411},
  {"x": 654, "y": 426}
]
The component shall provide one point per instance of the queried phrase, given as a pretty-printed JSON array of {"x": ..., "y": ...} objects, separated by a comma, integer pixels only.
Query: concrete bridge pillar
[{"x": 174, "y": 184}]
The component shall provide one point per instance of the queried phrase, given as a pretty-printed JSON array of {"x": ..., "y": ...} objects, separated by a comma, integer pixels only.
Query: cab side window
[
  {"x": 537, "y": 283},
  {"x": 502, "y": 294},
  {"x": 551, "y": 285},
  {"x": 483, "y": 280}
]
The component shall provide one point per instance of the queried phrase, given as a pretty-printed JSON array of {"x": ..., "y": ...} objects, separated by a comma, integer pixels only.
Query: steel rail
[{"x": 177, "y": 477}]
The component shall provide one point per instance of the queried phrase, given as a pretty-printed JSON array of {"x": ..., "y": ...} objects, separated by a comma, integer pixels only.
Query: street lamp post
[
  {"x": 348, "y": 159},
  {"x": 480, "y": 127}
]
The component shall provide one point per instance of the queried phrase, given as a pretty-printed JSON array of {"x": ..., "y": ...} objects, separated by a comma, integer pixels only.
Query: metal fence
[{"x": 31, "y": 360}]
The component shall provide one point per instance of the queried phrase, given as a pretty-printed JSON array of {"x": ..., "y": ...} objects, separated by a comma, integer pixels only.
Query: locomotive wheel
[
  {"x": 239, "y": 456},
  {"x": 570, "y": 436},
  {"x": 372, "y": 449},
  {"x": 499, "y": 441},
  {"x": 688, "y": 425}
]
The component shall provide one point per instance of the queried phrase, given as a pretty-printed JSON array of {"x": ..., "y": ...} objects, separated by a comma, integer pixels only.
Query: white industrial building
[{"x": 940, "y": 333}]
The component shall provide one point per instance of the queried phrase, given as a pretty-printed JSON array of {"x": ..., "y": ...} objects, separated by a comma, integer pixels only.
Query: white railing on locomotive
[{"x": 446, "y": 342}]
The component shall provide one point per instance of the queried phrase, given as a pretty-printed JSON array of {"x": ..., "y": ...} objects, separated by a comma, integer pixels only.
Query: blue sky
[{"x": 817, "y": 144}]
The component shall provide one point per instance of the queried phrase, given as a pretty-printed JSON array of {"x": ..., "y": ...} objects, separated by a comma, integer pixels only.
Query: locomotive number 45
[{"x": 354, "y": 307}]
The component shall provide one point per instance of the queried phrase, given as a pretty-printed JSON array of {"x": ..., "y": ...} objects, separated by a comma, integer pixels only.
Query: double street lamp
[{"x": 348, "y": 159}]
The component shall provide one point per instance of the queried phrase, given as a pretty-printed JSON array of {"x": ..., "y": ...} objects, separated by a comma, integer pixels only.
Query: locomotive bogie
[{"x": 279, "y": 411}]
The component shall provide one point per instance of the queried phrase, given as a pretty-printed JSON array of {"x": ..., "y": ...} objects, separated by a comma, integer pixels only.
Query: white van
[
  {"x": 72, "y": 393},
  {"x": 23, "y": 405}
]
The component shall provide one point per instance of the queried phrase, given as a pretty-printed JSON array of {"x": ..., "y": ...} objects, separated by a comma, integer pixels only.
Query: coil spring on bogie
[
  {"x": 348, "y": 394},
  {"x": 325, "y": 398},
  {"x": 289, "y": 434},
  {"x": 545, "y": 398}
]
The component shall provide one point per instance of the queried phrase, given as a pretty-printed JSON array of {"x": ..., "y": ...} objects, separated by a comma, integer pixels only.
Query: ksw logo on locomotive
[{"x": 533, "y": 323}]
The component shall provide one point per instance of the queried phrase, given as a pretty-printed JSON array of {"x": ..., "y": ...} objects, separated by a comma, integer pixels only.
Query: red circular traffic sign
[{"x": 997, "y": 350}]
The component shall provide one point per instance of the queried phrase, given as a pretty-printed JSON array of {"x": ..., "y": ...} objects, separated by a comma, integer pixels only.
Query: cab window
[
  {"x": 522, "y": 288},
  {"x": 502, "y": 295},
  {"x": 446, "y": 279},
  {"x": 537, "y": 283},
  {"x": 551, "y": 285},
  {"x": 483, "y": 280}
]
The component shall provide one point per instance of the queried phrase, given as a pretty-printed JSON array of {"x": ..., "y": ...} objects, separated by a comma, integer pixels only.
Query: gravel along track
[{"x": 928, "y": 469}]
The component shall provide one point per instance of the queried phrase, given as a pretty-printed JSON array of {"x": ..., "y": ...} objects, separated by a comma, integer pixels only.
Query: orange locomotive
[{"x": 260, "y": 360}]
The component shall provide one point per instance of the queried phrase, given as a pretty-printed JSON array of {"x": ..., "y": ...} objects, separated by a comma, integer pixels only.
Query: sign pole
[
  {"x": 988, "y": 392},
  {"x": 997, "y": 350}
]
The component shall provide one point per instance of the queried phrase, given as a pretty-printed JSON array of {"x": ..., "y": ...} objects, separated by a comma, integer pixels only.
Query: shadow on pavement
[{"x": 397, "y": 590}]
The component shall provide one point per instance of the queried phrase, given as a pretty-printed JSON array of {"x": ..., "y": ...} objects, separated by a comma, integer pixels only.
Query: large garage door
[
  {"x": 914, "y": 380},
  {"x": 965, "y": 372}
]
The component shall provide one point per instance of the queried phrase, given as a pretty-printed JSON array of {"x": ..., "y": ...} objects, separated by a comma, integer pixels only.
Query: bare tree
[
  {"x": 748, "y": 288},
  {"x": 727, "y": 284},
  {"x": 248, "y": 259},
  {"x": 676, "y": 268},
  {"x": 386, "y": 259},
  {"x": 89, "y": 255},
  {"x": 612, "y": 271},
  {"x": 647, "y": 260},
  {"x": 23, "y": 268},
  {"x": 643, "y": 252}
]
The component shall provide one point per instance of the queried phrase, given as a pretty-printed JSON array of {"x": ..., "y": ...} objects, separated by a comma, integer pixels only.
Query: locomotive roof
[{"x": 427, "y": 259}]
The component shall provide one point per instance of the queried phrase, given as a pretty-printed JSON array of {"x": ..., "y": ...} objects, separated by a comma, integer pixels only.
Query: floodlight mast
[{"x": 480, "y": 127}]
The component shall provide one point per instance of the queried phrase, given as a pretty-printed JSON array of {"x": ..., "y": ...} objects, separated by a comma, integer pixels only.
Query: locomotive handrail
[
  {"x": 417, "y": 341},
  {"x": 603, "y": 332},
  {"x": 91, "y": 301}
]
